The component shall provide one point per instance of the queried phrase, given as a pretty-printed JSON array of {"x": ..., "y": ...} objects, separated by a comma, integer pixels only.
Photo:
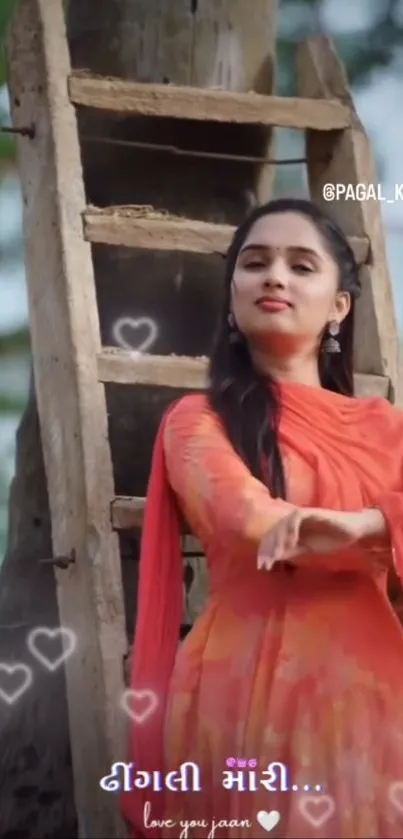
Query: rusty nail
[
  {"x": 60, "y": 561},
  {"x": 25, "y": 131}
]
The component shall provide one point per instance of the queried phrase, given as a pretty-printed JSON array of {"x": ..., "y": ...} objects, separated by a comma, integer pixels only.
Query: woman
[{"x": 295, "y": 490}]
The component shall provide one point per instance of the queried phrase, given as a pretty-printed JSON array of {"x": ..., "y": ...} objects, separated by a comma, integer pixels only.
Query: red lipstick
[{"x": 270, "y": 304}]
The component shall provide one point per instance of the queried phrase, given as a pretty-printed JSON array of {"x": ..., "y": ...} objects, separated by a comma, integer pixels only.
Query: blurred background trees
[{"x": 369, "y": 38}]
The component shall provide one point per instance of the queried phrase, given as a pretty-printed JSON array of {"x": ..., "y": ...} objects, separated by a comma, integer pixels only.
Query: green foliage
[
  {"x": 363, "y": 52},
  {"x": 11, "y": 405},
  {"x": 7, "y": 145},
  {"x": 15, "y": 343},
  {"x": 7, "y": 148},
  {"x": 6, "y": 10}
]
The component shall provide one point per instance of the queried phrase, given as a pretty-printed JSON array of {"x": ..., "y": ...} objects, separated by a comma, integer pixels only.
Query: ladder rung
[
  {"x": 193, "y": 103},
  {"x": 143, "y": 227},
  {"x": 367, "y": 384},
  {"x": 182, "y": 372},
  {"x": 131, "y": 368},
  {"x": 133, "y": 228},
  {"x": 128, "y": 514}
]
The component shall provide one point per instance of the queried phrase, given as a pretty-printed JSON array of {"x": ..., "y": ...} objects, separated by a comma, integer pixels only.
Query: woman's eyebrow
[{"x": 261, "y": 247}]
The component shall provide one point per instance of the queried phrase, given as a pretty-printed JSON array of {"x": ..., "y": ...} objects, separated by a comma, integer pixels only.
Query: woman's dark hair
[{"x": 246, "y": 401}]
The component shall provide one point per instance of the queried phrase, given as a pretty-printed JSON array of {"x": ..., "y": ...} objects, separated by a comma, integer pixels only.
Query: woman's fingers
[
  {"x": 281, "y": 543},
  {"x": 267, "y": 552},
  {"x": 289, "y": 545},
  {"x": 292, "y": 531}
]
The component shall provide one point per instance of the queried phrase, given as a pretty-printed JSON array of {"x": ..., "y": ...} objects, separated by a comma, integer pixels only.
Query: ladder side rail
[
  {"x": 71, "y": 401},
  {"x": 345, "y": 157}
]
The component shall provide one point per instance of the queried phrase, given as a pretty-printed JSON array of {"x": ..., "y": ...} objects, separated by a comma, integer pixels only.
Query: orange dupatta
[{"x": 160, "y": 606}]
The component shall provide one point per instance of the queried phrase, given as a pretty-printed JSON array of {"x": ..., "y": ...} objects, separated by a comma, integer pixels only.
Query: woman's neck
[{"x": 295, "y": 370}]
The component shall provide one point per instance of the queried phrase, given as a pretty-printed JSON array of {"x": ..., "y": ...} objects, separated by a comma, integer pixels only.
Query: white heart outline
[
  {"x": 316, "y": 821},
  {"x": 129, "y": 694},
  {"x": 268, "y": 820},
  {"x": 52, "y": 633},
  {"x": 135, "y": 323},
  {"x": 397, "y": 786},
  {"x": 12, "y": 668}
]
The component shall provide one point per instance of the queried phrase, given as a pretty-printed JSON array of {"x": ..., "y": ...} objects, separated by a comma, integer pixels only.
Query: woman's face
[{"x": 284, "y": 288}]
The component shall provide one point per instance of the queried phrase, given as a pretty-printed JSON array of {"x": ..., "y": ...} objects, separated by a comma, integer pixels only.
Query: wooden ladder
[{"x": 70, "y": 365}]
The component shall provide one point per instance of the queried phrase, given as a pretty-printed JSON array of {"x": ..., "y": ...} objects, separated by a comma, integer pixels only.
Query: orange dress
[{"x": 303, "y": 667}]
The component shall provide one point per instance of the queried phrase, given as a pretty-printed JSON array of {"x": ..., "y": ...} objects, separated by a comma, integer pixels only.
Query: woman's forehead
[{"x": 285, "y": 230}]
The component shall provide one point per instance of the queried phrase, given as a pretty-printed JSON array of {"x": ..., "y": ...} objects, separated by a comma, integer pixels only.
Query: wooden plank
[
  {"x": 174, "y": 102},
  {"x": 368, "y": 385},
  {"x": 205, "y": 44},
  {"x": 234, "y": 47},
  {"x": 234, "y": 44},
  {"x": 127, "y": 513},
  {"x": 361, "y": 248},
  {"x": 72, "y": 410},
  {"x": 156, "y": 41},
  {"x": 347, "y": 159},
  {"x": 143, "y": 227},
  {"x": 133, "y": 368},
  {"x": 129, "y": 227}
]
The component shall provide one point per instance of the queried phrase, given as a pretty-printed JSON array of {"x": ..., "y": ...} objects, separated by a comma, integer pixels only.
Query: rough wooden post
[
  {"x": 72, "y": 410},
  {"x": 345, "y": 158},
  {"x": 210, "y": 44},
  {"x": 108, "y": 43},
  {"x": 225, "y": 44},
  {"x": 206, "y": 44}
]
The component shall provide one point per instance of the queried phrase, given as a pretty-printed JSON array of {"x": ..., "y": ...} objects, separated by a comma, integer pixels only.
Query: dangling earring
[
  {"x": 234, "y": 336},
  {"x": 331, "y": 345}
]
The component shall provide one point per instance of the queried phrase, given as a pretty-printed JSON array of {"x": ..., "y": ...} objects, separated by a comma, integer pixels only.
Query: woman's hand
[{"x": 317, "y": 531}]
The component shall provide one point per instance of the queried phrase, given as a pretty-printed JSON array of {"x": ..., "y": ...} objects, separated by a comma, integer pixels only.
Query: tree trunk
[
  {"x": 210, "y": 43},
  {"x": 35, "y": 765}
]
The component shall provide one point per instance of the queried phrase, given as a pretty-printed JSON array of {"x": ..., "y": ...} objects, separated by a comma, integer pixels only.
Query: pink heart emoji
[
  {"x": 139, "y": 704},
  {"x": 316, "y": 809}
]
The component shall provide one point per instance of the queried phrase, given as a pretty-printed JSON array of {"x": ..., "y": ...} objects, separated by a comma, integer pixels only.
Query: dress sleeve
[
  {"x": 219, "y": 498},
  {"x": 391, "y": 503}
]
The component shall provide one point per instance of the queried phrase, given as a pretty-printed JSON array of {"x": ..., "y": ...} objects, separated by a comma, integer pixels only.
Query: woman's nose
[
  {"x": 275, "y": 277},
  {"x": 274, "y": 281}
]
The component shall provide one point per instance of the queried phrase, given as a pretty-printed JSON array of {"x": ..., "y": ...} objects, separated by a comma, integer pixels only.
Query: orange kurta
[
  {"x": 301, "y": 667},
  {"x": 306, "y": 667}
]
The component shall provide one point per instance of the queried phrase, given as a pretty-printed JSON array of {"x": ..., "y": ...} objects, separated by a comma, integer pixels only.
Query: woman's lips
[{"x": 272, "y": 305}]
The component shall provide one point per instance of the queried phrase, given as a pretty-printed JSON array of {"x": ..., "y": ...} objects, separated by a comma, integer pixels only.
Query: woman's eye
[
  {"x": 302, "y": 269},
  {"x": 254, "y": 265}
]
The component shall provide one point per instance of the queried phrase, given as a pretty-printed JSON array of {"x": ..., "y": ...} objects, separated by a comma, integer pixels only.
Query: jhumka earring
[{"x": 331, "y": 345}]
